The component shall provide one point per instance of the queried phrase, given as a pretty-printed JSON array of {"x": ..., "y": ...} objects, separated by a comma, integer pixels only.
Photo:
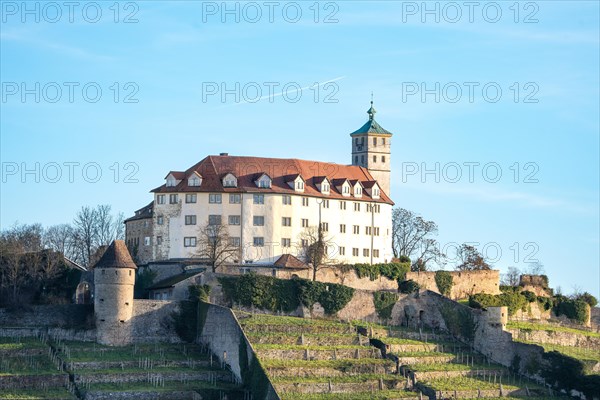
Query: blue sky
[{"x": 170, "y": 58}]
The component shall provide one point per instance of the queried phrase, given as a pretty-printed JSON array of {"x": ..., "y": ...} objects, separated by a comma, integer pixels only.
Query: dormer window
[
  {"x": 195, "y": 180},
  {"x": 171, "y": 182},
  {"x": 230, "y": 181},
  {"x": 264, "y": 181},
  {"x": 346, "y": 189},
  {"x": 299, "y": 185}
]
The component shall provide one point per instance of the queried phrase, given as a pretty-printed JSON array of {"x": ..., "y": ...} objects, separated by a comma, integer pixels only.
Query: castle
[{"x": 267, "y": 204}]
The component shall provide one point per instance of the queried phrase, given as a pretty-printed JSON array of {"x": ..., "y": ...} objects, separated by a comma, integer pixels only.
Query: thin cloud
[
  {"x": 72, "y": 51},
  {"x": 288, "y": 92}
]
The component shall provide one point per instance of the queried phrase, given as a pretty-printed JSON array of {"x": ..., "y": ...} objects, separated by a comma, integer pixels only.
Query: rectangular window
[
  {"x": 356, "y": 206},
  {"x": 159, "y": 240},
  {"x": 214, "y": 220},
  {"x": 304, "y": 242},
  {"x": 356, "y": 229},
  {"x": 286, "y": 199},
  {"x": 286, "y": 242},
  {"x": 325, "y": 226},
  {"x": 305, "y": 201},
  {"x": 234, "y": 220},
  {"x": 286, "y": 221},
  {"x": 259, "y": 220},
  {"x": 342, "y": 228},
  {"x": 365, "y": 252},
  {"x": 355, "y": 252},
  {"x": 191, "y": 198},
  {"x": 342, "y": 251},
  {"x": 160, "y": 199},
  {"x": 304, "y": 223},
  {"x": 259, "y": 199},
  {"x": 214, "y": 198},
  {"x": 159, "y": 220},
  {"x": 235, "y": 241},
  {"x": 235, "y": 198},
  {"x": 259, "y": 241},
  {"x": 147, "y": 241},
  {"x": 190, "y": 220},
  {"x": 173, "y": 199},
  {"x": 342, "y": 205},
  {"x": 376, "y": 253},
  {"x": 367, "y": 230},
  {"x": 376, "y": 231},
  {"x": 189, "y": 242},
  {"x": 325, "y": 203}
]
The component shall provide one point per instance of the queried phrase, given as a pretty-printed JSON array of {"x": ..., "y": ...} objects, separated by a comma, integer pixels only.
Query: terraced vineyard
[
  {"x": 583, "y": 345},
  {"x": 29, "y": 370},
  {"x": 56, "y": 369},
  {"x": 441, "y": 367},
  {"x": 318, "y": 359}
]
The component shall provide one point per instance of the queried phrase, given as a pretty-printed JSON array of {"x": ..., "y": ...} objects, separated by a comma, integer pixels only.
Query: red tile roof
[
  {"x": 289, "y": 261},
  {"x": 116, "y": 256},
  {"x": 246, "y": 169}
]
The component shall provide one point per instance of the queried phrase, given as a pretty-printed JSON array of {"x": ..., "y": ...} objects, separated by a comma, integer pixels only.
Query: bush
[
  {"x": 573, "y": 309},
  {"x": 513, "y": 300},
  {"x": 199, "y": 292},
  {"x": 545, "y": 302},
  {"x": 274, "y": 294},
  {"x": 588, "y": 298},
  {"x": 529, "y": 296},
  {"x": 409, "y": 286},
  {"x": 443, "y": 280},
  {"x": 404, "y": 259},
  {"x": 384, "y": 303},
  {"x": 393, "y": 271}
]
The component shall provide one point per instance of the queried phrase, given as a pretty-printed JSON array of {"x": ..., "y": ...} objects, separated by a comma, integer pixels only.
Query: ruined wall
[
  {"x": 464, "y": 283},
  {"x": 484, "y": 330}
]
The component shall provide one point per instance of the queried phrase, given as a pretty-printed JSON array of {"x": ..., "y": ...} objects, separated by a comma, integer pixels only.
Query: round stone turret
[{"x": 114, "y": 278}]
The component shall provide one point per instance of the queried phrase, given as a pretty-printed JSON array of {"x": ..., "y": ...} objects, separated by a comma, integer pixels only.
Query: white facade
[{"x": 358, "y": 230}]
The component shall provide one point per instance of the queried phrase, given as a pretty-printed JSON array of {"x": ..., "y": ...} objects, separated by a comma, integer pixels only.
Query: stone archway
[{"x": 83, "y": 294}]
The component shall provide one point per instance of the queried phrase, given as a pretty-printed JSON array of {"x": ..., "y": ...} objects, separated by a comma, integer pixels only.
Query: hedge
[
  {"x": 275, "y": 295},
  {"x": 393, "y": 271}
]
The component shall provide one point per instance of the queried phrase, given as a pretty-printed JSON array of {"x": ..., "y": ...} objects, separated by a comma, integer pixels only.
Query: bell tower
[{"x": 371, "y": 148}]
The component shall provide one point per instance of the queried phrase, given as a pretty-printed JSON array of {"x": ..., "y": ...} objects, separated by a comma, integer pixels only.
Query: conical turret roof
[{"x": 116, "y": 256}]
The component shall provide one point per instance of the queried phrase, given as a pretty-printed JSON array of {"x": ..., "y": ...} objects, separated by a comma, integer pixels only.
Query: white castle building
[{"x": 268, "y": 204}]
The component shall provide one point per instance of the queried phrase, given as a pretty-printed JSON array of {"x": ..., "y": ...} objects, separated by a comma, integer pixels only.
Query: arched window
[
  {"x": 356, "y": 158},
  {"x": 374, "y": 141}
]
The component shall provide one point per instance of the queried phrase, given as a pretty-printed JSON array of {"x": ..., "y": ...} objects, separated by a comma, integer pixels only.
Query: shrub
[
  {"x": 404, "y": 259},
  {"x": 408, "y": 286},
  {"x": 393, "y": 271},
  {"x": 529, "y": 296},
  {"x": 588, "y": 298},
  {"x": 199, "y": 292},
  {"x": 513, "y": 300},
  {"x": 545, "y": 302},
  {"x": 443, "y": 280},
  {"x": 274, "y": 294},
  {"x": 573, "y": 309},
  {"x": 384, "y": 303}
]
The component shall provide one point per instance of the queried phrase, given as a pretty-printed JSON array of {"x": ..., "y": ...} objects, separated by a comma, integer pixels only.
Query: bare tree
[
  {"x": 535, "y": 268},
  {"x": 313, "y": 248},
  {"x": 411, "y": 237},
  {"x": 85, "y": 235},
  {"x": 215, "y": 245},
  {"x": 470, "y": 259},
  {"x": 511, "y": 277},
  {"x": 20, "y": 248},
  {"x": 60, "y": 238}
]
